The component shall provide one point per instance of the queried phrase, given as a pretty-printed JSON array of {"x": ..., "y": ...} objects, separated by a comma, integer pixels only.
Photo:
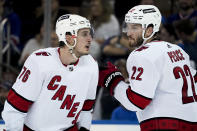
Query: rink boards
[{"x": 106, "y": 125}]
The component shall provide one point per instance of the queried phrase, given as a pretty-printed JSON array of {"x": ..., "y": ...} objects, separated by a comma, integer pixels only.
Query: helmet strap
[
  {"x": 71, "y": 48},
  {"x": 143, "y": 36}
]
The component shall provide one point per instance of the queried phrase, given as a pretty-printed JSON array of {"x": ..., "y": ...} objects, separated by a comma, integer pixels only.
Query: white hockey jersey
[
  {"x": 50, "y": 96},
  {"x": 162, "y": 86}
]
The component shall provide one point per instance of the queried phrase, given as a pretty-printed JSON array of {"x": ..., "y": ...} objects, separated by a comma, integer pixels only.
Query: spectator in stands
[
  {"x": 33, "y": 44},
  {"x": 104, "y": 23},
  {"x": 167, "y": 33},
  {"x": 56, "y": 11},
  {"x": 186, "y": 32},
  {"x": 115, "y": 48},
  {"x": 6, "y": 11},
  {"x": 186, "y": 10}
]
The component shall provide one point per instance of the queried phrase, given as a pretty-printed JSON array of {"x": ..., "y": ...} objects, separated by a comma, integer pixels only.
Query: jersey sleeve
[
  {"x": 86, "y": 113},
  {"x": 29, "y": 82},
  {"x": 24, "y": 92},
  {"x": 143, "y": 78}
]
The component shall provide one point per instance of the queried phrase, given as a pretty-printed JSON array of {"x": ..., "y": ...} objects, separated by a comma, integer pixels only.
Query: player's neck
[
  {"x": 149, "y": 40},
  {"x": 66, "y": 57}
]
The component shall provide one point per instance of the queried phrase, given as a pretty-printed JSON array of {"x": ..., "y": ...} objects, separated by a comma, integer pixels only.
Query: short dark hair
[
  {"x": 61, "y": 44},
  {"x": 155, "y": 36},
  {"x": 186, "y": 26}
]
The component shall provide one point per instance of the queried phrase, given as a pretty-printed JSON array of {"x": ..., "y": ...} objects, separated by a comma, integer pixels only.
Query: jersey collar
[{"x": 65, "y": 64}]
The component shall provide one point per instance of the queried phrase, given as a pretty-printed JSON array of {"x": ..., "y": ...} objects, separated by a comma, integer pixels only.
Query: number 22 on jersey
[
  {"x": 184, "y": 72},
  {"x": 137, "y": 72}
]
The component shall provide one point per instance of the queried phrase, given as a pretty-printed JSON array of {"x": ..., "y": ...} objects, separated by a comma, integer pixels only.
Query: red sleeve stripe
[
  {"x": 88, "y": 105},
  {"x": 137, "y": 99},
  {"x": 18, "y": 102},
  {"x": 195, "y": 78},
  {"x": 26, "y": 128}
]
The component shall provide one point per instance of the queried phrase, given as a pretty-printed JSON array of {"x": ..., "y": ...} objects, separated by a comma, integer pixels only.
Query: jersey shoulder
[
  {"x": 44, "y": 52},
  {"x": 89, "y": 60},
  {"x": 42, "y": 56},
  {"x": 154, "y": 50}
]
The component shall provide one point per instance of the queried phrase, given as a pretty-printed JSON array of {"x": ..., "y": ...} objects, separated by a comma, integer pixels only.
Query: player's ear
[
  {"x": 149, "y": 31},
  {"x": 69, "y": 39}
]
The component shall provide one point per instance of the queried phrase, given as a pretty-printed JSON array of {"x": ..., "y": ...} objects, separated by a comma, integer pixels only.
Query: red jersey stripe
[
  {"x": 88, "y": 105},
  {"x": 18, "y": 102},
  {"x": 137, "y": 99}
]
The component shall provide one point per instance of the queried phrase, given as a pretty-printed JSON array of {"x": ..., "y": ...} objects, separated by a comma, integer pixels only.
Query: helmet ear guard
[{"x": 145, "y": 15}]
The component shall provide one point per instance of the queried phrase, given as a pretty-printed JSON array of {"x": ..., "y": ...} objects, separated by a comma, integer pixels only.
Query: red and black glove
[{"x": 109, "y": 77}]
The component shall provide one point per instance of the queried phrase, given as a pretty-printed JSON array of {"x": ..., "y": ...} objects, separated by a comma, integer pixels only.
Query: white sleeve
[
  {"x": 143, "y": 78},
  {"x": 121, "y": 95},
  {"x": 14, "y": 119},
  {"x": 24, "y": 92},
  {"x": 85, "y": 117}
]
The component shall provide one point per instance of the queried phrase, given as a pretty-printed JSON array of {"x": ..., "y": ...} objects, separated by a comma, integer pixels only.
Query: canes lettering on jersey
[{"x": 68, "y": 101}]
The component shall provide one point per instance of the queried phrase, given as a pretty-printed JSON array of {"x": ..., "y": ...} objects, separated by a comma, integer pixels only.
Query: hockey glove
[{"x": 109, "y": 77}]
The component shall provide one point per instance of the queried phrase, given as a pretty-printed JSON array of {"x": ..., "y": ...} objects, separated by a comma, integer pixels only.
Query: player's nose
[
  {"x": 129, "y": 33},
  {"x": 89, "y": 38}
]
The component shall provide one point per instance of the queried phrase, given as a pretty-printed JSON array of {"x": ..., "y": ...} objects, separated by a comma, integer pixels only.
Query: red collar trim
[
  {"x": 65, "y": 64},
  {"x": 76, "y": 62}
]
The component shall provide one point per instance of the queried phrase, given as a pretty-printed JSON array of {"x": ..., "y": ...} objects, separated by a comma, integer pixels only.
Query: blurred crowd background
[{"x": 22, "y": 32}]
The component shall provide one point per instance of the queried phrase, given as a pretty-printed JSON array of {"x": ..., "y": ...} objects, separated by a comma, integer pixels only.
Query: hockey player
[
  {"x": 56, "y": 88},
  {"x": 162, "y": 83}
]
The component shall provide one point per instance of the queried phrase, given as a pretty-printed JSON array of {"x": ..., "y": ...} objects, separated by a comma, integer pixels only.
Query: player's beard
[{"x": 138, "y": 42}]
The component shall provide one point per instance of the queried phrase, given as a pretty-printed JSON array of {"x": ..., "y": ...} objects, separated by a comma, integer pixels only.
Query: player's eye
[{"x": 85, "y": 33}]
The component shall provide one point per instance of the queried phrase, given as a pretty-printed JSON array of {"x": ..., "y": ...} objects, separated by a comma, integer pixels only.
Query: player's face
[
  {"x": 134, "y": 34},
  {"x": 84, "y": 40}
]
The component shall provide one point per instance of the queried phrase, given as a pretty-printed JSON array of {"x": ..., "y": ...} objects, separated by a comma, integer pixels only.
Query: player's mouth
[{"x": 87, "y": 47}]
